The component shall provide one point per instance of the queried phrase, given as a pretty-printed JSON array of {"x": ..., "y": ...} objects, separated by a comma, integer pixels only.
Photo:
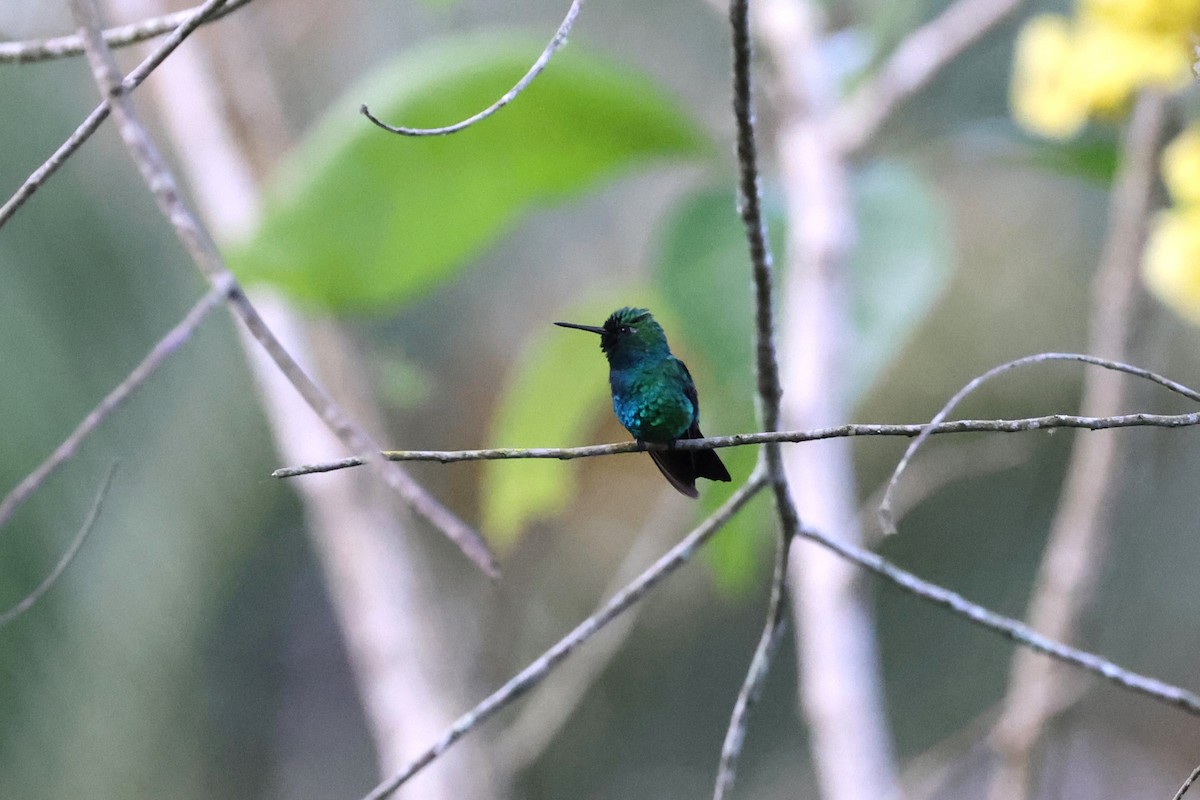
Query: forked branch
[
  {"x": 193, "y": 20},
  {"x": 121, "y": 36}
]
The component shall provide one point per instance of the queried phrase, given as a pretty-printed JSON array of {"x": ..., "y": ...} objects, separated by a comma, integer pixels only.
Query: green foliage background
[{"x": 190, "y": 652}]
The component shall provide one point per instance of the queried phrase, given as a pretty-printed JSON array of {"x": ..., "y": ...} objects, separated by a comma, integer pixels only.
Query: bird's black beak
[{"x": 591, "y": 328}]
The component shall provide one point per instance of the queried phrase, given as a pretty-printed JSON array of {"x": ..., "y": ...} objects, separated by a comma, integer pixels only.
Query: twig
[
  {"x": 750, "y": 209},
  {"x": 89, "y": 126},
  {"x": 538, "y": 724},
  {"x": 59, "y": 157},
  {"x": 30, "y": 599},
  {"x": 917, "y": 60},
  {"x": 1048, "y": 422},
  {"x": 27, "y": 52},
  {"x": 1079, "y": 534},
  {"x": 207, "y": 258},
  {"x": 112, "y": 401},
  {"x": 962, "y": 461},
  {"x": 556, "y": 43},
  {"x": 1187, "y": 784},
  {"x": 533, "y": 674},
  {"x": 769, "y": 386},
  {"x": 886, "y": 519},
  {"x": 1009, "y": 628},
  {"x": 756, "y": 675}
]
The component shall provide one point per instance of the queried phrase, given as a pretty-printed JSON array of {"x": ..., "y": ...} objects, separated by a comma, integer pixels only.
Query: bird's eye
[{"x": 628, "y": 329}]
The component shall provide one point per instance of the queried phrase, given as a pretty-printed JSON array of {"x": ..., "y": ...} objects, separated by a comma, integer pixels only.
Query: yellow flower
[
  {"x": 1173, "y": 17},
  {"x": 1113, "y": 62},
  {"x": 1171, "y": 263},
  {"x": 1046, "y": 96},
  {"x": 1066, "y": 70},
  {"x": 1181, "y": 166}
]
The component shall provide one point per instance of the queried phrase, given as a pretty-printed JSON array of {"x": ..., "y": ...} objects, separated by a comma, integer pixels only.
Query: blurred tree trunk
[
  {"x": 841, "y": 691},
  {"x": 404, "y": 658}
]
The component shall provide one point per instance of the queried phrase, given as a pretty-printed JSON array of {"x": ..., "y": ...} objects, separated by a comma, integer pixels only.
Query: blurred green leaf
[
  {"x": 402, "y": 382},
  {"x": 1093, "y": 156},
  {"x": 552, "y": 398},
  {"x": 737, "y": 556},
  {"x": 901, "y": 264},
  {"x": 704, "y": 276},
  {"x": 359, "y": 219}
]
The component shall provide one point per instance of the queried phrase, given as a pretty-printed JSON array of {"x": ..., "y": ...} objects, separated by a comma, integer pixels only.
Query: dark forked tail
[{"x": 682, "y": 467}]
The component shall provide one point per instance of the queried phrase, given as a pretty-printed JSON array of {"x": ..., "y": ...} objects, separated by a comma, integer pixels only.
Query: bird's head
[{"x": 628, "y": 333}]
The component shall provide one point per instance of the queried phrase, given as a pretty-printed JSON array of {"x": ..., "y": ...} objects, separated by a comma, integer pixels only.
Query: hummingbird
[{"x": 654, "y": 396}]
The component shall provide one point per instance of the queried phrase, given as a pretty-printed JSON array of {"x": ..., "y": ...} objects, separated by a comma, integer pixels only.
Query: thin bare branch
[
  {"x": 30, "y": 51},
  {"x": 538, "y": 724},
  {"x": 1009, "y": 628},
  {"x": 886, "y": 519},
  {"x": 72, "y": 550},
  {"x": 1048, "y": 422},
  {"x": 556, "y": 43},
  {"x": 918, "y": 59},
  {"x": 770, "y": 389},
  {"x": 750, "y": 209},
  {"x": 1187, "y": 784},
  {"x": 533, "y": 674},
  {"x": 89, "y": 126},
  {"x": 112, "y": 401},
  {"x": 756, "y": 675},
  {"x": 207, "y": 258},
  {"x": 59, "y": 157}
]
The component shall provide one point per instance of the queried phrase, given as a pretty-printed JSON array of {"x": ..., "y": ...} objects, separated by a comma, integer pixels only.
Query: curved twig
[
  {"x": 1077, "y": 544},
  {"x": 30, "y": 51},
  {"x": 28, "y": 601},
  {"x": 1047, "y": 422},
  {"x": 556, "y": 43},
  {"x": 886, "y": 520}
]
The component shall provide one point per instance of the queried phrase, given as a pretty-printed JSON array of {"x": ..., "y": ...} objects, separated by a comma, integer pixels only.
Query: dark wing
[
  {"x": 689, "y": 391},
  {"x": 705, "y": 463}
]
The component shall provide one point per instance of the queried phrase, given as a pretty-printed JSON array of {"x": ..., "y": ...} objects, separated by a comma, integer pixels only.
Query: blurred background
[{"x": 205, "y": 641}]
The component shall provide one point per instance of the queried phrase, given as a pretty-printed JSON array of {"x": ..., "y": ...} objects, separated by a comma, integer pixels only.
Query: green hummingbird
[{"x": 654, "y": 396}]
